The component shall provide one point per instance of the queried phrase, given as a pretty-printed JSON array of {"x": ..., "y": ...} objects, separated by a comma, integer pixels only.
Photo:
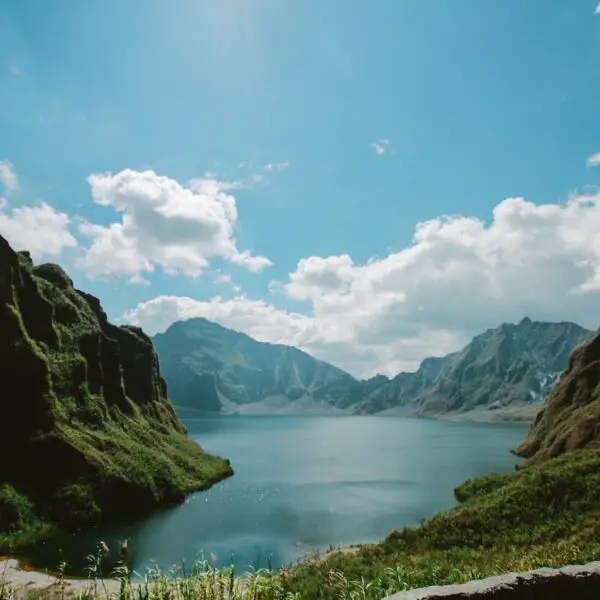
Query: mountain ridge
[
  {"x": 254, "y": 371},
  {"x": 211, "y": 367},
  {"x": 512, "y": 364}
]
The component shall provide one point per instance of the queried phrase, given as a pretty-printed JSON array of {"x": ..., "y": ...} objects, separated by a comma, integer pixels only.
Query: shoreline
[{"x": 17, "y": 575}]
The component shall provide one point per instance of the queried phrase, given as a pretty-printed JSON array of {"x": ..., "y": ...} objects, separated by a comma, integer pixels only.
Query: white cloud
[
  {"x": 281, "y": 166},
  {"x": 14, "y": 69},
  {"x": 594, "y": 160},
  {"x": 226, "y": 279},
  {"x": 163, "y": 224},
  {"x": 39, "y": 229},
  {"x": 458, "y": 277},
  {"x": 223, "y": 278},
  {"x": 8, "y": 176},
  {"x": 258, "y": 318},
  {"x": 3, "y": 203},
  {"x": 380, "y": 146},
  {"x": 597, "y": 11}
]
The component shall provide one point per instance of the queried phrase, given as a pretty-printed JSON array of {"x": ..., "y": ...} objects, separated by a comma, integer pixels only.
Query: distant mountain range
[
  {"x": 211, "y": 368},
  {"x": 512, "y": 365},
  {"x": 504, "y": 371}
]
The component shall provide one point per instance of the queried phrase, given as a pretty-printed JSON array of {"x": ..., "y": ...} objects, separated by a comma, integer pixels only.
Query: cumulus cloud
[
  {"x": 258, "y": 318},
  {"x": 380, "y": 146},
  {"x": 597, "y": 11},
  {"x": 179, "y": 228},
  {"x": 594, "y": 160},
  {"x": 459, "y": 276},
  {"x": 40, "y": 229},
  {"x": 8, "y": 176}
]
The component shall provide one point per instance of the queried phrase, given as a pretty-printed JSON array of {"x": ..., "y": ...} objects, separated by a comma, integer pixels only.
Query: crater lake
[{"x": 301, "y": 484}]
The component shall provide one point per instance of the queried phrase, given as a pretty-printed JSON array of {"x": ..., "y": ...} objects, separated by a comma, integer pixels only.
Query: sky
[{"x": 372, "y": 182}]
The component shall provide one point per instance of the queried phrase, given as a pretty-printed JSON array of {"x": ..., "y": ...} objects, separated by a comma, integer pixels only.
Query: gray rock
[
  {"x": 512, "y": 365},
  {"x": 577, "y": 582}
]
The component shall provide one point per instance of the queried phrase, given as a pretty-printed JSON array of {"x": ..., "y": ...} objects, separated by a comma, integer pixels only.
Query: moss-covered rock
[
  {"x": 87, "y": 432},
  {"x": 570, "y": 418}
]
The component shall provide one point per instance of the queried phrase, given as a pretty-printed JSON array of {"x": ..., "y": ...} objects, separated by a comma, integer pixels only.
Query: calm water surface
[{"x": 303, "y": 483}]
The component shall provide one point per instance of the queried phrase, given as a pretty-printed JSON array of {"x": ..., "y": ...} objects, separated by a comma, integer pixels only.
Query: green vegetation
[
  {"x": 87, "y": 433},
  {"x": 544, "y": 514},
  {"x": 571, "y": 413},
  {"x": 94, "y": 438}
]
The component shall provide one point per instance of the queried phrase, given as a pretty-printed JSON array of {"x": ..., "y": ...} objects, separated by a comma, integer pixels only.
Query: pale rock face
[{"x": 209, "y": 367}]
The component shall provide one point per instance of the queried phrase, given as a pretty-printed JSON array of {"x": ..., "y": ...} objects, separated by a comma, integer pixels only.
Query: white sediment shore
[{"x": 21, "y": 581}]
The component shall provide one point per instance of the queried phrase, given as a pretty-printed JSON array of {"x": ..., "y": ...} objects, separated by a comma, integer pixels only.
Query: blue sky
[{"x": 334, "y": 128}]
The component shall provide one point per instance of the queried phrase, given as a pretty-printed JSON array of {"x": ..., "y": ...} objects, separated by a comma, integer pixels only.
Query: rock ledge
[{"x": 576, "y": 581}]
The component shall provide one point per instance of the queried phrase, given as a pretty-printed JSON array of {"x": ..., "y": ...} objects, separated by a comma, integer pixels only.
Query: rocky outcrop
[
  {"x": 209, "y": 367},
  {"x": 514, "y": 364},
  {"x": 84, "y": 407},
  {"x": 570, "y": 418},
  {"x": 578, "y": 581}
]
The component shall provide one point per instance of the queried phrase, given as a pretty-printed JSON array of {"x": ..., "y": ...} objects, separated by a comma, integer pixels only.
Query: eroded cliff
[
  {"x": 87, "y": 432},
  {"x": 570, "y": 417}
]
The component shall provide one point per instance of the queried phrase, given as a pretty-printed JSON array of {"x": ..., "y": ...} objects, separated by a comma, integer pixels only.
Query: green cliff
[
  {"x": 87, "y": 432},
  {"x": 570, "y": 418}
]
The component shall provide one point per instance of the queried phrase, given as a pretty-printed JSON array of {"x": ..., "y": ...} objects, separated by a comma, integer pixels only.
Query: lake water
[{"x": 303, "y": 483}]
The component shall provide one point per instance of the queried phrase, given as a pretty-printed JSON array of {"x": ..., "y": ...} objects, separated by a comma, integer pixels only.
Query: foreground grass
[{"x": 542, "y": 515}]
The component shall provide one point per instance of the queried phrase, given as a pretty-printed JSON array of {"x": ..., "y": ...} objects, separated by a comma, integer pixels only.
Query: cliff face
[
  {"x": 570, "y": 418},
  {"x": 209, "y": 367},
  {"x": 87, "y": 432},
  {"x": 514, "y": 364}
]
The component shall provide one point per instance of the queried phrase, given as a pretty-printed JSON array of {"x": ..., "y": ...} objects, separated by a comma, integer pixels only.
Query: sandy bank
[{"x": 23, "y": 581}]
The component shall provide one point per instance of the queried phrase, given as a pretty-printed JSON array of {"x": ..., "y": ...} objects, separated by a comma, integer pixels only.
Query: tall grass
[{"x": 543, "y": 515}]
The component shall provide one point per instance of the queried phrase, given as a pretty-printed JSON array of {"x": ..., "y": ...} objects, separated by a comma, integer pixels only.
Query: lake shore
[
  {"x": 521, "y": 413},
  {"x": 22, "y": 580}
]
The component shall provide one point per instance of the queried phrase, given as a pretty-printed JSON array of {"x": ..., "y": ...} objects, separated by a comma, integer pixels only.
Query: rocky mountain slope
[
  {"x": 87, "y": 433},
  {"x": 211, "y": 368},
  {"x": 570, "y": 417},
  {"x": 512, "y": 365}
]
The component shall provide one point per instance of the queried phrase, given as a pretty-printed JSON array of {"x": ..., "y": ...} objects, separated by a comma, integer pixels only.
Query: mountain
[
  {"x": 512, "y": 365},
  {"x": 211, "y": 368},
  {"x": 570, "y": 417},
  {"x": 87, "y": 433}
]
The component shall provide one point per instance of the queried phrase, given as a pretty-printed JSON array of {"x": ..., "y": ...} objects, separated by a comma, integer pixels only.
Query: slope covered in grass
[
  {"x": 87, "y": 432},
  {"x": 570, "y": 418},
  {"x": 543, "y": 515}
]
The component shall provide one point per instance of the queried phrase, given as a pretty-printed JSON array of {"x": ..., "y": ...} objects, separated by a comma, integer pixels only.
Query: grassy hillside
[
  {"x": 543, "y": 515},
  {"x": 87, "y": 433},
  {"x": 570, "y": 418},
  {"x": 546, "y": 514}
]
